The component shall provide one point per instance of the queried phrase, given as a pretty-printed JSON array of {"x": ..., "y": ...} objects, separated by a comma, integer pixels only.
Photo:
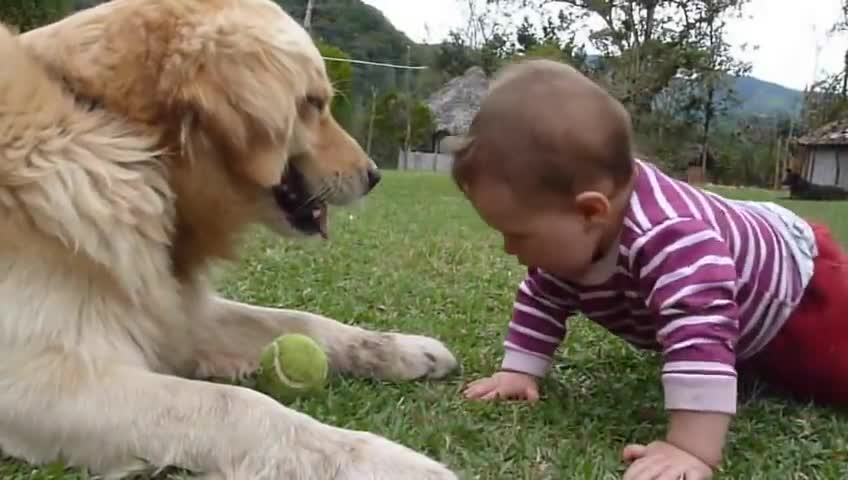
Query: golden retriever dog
[{"x": 138, "y": 140}]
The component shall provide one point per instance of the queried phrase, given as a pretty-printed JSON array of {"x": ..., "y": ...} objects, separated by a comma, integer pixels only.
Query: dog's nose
[{"x": 373, "y": 178}]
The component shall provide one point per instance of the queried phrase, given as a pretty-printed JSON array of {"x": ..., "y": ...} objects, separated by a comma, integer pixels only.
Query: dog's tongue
[{"x": 323, "y": 222}]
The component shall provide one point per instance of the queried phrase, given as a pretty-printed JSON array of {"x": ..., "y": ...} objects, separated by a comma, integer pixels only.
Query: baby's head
[{"x": 548, "y": 162}]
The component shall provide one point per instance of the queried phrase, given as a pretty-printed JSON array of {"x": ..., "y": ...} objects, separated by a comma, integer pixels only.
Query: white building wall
[
  {"x": 823, "y": 166},
  {"x": 421, "y": 161}
]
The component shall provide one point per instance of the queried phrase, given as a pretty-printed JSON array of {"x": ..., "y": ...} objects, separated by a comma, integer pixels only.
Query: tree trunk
[
  {"x": 709, "y": 112},
  {"x": 845, "y": 77}
]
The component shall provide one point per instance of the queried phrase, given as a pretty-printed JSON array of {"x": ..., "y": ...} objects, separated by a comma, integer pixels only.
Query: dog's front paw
[
  {"x": 399, "y": 357},
  {"x": 375, "y": 458},
  {"x": 422, "y": 357}
]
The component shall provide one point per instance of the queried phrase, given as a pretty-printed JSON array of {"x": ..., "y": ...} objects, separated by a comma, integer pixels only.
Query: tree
[
  {"x": 644, "y": 44},
  {"x": 824, "y": 102},
  {"x": 28, "y": 14},
  {"x": 642, "y": 41},
  {"x": 554, "y": 40},
  {"x": 454, "y": 56},
  {"x": 489, "y": 42},
  {"x": 670, "y": 63},
  {"x": 827, "y": 100},
  {"x": 390, "y": 125},
  {"x": 341, "y": 76},
  {"x": 714, "y": 69},
  {"x": 483, "y": 41}
]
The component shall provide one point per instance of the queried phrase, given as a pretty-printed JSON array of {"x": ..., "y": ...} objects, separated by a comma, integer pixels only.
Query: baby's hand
[
  {"x": 510, "y": 385},
  {"x": 663, "y": 461}
]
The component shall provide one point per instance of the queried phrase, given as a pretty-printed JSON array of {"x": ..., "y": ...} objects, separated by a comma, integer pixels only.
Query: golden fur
[{"x": 138, "y": 139}]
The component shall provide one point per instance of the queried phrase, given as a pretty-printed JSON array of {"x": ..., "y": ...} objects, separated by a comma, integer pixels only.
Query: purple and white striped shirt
[{"x": 702, "y": 279}]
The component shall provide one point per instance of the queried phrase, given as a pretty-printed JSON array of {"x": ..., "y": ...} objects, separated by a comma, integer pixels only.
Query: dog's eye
[{"x": 316, "y": 102}]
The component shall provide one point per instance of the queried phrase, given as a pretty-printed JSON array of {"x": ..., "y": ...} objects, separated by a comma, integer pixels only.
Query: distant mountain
[
  {"x": 767, "y": 98},
  {"x": 355, "y": 27},
  {"x": 366, "y": 34}
]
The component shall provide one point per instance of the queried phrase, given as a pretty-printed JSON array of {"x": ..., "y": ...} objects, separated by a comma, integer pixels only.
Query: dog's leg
[
  {"x": 231, "y": 344},
  {"x": 112, "y": 419}
]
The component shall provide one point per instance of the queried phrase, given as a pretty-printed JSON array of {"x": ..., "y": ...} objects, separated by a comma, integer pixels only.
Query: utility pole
[
  {"x": 816, "y": 58},
  {"x": 845, "y": 75},
  {"x": 371, "y": 119},
  {"x": 307, "y": 18},
  {"x": 408, "y": 101}
]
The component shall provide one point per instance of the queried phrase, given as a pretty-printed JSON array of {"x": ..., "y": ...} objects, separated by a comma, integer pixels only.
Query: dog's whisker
[{"x": 318, "y": 196}]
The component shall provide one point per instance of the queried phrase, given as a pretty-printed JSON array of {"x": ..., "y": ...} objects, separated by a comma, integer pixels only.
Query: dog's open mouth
[{"x": 305, "y": 212}]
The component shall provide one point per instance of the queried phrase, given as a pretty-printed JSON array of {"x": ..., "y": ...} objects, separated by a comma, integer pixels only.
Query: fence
[{"x": 422, "y": 161}]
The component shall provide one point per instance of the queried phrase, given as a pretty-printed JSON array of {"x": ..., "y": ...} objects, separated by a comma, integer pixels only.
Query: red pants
[{"x": 809, "y": 356}]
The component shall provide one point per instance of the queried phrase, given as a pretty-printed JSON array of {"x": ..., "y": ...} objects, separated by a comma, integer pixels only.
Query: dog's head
[
  {"x": 791, "y": 179},
  {"x": 240, "y": 95}
]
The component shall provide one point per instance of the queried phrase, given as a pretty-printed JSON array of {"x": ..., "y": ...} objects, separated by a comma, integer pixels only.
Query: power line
[
  {"x": 377, "y": 64},
  {"x": 408, "y": 108},
  {"x": 307, "y": 23}
]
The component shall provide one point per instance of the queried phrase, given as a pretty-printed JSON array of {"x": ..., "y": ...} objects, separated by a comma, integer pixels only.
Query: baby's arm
[
  {"x": 688, "y": 276},
  {"x": 538, "y": 325},
  {"x": 535, "y": 332},
  {"x": 702, "y": 434}
]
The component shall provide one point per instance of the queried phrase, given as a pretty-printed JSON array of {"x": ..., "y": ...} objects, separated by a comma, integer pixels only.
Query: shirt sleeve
[
  {"x": 538, "y": 324},
  {"x": 687, "y": 274}
]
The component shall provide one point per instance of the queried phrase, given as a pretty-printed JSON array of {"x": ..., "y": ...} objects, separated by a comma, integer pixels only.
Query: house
[
  {"x": 696, "y": 172},
  {"x": 822, "y": 156},
  {"x": 453, "y": 106}
]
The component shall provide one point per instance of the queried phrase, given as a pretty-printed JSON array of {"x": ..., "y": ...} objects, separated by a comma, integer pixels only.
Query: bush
[
  {"x": 26, "y": 15},
  {"x": 341, "y": 75}
]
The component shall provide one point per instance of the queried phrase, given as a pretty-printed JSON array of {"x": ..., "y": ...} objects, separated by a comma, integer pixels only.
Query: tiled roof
[
  {"x": 834, "y": 133},
  {"x": 456, "y": 103}
]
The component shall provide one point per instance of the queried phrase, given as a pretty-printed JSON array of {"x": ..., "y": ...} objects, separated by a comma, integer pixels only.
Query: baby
[{"x": 713, "y": 284}]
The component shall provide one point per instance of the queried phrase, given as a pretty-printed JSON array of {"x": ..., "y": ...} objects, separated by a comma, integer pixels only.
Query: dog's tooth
[{"x": 316, "y": 213}]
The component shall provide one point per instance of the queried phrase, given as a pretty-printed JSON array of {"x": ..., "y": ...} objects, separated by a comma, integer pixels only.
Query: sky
[{"x": 792, "y": 36}]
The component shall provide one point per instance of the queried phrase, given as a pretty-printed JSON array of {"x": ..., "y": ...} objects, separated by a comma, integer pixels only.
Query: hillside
[
  {"x": 356, "y": 27},
  {"x": 365, "y": 33},
  {"x": 762, "y": 97}
]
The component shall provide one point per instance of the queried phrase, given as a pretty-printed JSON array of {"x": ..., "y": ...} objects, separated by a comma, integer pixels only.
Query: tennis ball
[{"x": 291, "y": 366}]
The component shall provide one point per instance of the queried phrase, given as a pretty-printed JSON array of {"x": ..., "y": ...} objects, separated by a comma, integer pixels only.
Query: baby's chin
[
  {"x": 586, "y": 274},
  {"x": 571, "y": 271},
  {"x": 570, "y": 274}
]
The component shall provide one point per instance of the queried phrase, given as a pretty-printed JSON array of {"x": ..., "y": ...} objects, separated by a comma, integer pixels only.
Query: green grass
[{"x": 415, "y": 258}]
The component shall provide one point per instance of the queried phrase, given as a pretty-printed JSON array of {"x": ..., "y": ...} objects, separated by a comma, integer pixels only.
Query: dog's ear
[{"x": 233, "y": 87}]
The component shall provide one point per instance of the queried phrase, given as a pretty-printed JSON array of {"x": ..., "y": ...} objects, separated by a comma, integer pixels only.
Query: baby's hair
[{"x": 544, "y": 125}]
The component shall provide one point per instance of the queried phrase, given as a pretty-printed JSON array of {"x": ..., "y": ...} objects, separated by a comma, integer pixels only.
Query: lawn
[{"x": 414, "y": 257}]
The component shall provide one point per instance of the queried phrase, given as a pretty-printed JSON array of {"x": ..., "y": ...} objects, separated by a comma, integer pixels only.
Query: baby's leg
[{"x": 809, "y": 357}]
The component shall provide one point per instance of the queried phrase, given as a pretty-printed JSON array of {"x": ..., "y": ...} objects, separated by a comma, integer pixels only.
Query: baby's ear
[{"x": 593, "y": 206}]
